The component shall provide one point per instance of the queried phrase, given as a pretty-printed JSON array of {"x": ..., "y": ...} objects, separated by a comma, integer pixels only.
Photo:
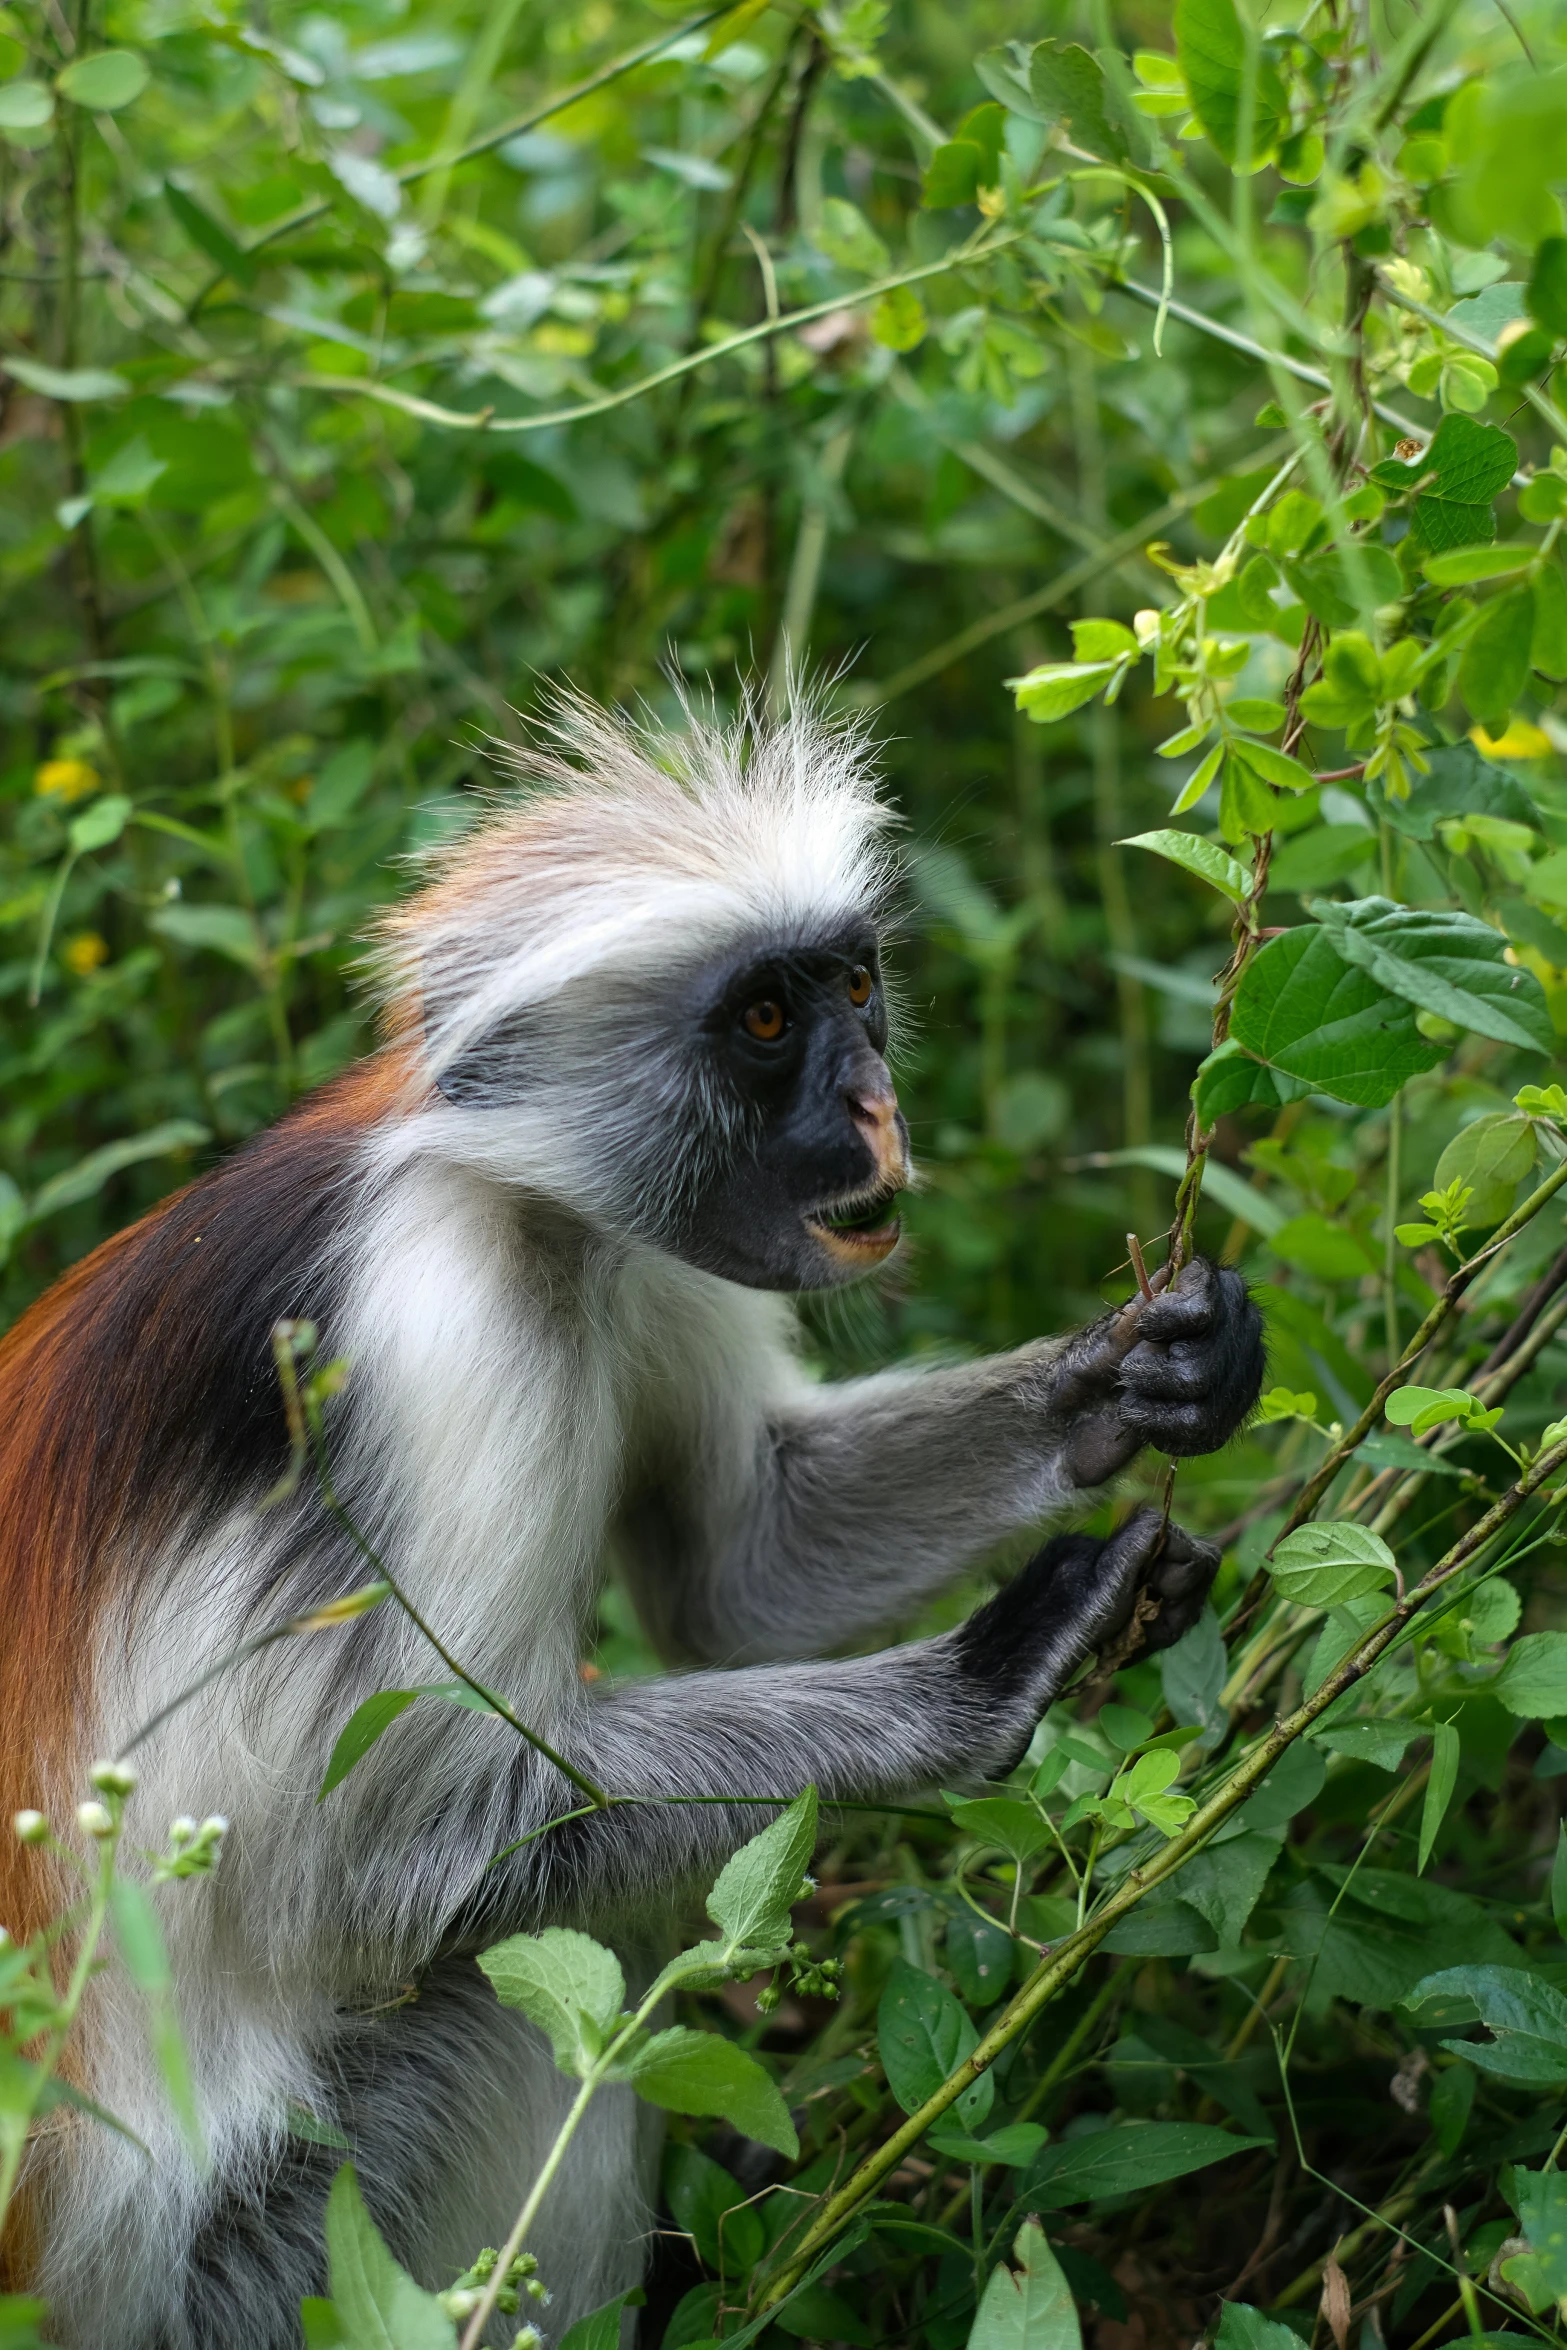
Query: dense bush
[{"x": 361, "y": 371}]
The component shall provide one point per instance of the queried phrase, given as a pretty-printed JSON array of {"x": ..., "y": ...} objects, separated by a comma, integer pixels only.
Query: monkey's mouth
[{"x": 863, "y": 1227}]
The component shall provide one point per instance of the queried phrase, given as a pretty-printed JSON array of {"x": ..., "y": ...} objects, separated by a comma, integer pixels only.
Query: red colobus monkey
[{"x": 634, "y": 1094}]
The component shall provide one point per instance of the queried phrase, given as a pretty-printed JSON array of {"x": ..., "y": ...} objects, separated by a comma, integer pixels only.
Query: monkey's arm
[
  {"x": 868, "y": 1496},
  {"x": 869, "y": 1728}
]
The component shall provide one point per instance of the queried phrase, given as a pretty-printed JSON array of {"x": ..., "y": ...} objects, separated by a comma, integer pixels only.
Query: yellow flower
[
  {"x": 83, "y": 953},
  {"x": 66, "y": 779},
  {"x": 1519, "y": 740}
]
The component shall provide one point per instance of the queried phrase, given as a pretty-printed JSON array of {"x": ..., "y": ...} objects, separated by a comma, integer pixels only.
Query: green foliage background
[{"x": 327, "y": 438}]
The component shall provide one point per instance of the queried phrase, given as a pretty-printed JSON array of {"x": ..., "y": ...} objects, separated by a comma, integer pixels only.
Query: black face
[{"x": 794, "y": 1039}]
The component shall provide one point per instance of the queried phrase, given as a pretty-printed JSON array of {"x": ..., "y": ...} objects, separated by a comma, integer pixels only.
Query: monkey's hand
[
  {"x": 1075, "y": 1595},
  {"x": 1179, "y": 1371}
]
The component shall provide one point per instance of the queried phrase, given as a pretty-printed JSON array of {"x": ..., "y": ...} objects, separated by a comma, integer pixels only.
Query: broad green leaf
[
  {"x": 106, "y": 81},
  {"x": 1211, "y": 49},
  {"x": 1015, "y": 2145},
  {"x": 1381, "y": 1744},
  {"x": 1471, "y": 563},
  {"x": 1445, "y": 1747},
  {"x": 1533, "y": 1678},
  {"x": 1559, "y": 1881},
  {"x": 377, "y": 2303},
  {"x": 209, "y": 235},
  {"x": 1301, "y": 1007},
  {"x": 1444, "y": 961},
  {"x": 89, "y": 1175},
  {"x": 818, "y": 2313},
  {"x": 845, "y": 235},
  {"x": 952, "y": 176},
  {"x": 1548, "y": 646},
  {"x": 1103, "y": 640},
  {"x": 64, "y": 383},
  {"x": 1067, "y": 84},
  {"x": 1494, "y": 668},
  {"x": 1460, "y": 783},
  {"x": 1016, "y": 1827},
  {"x": 1192, "y": 1673},
  {"x": 1120, "y": 2160},
  {"x": 20, "y": 2318},
  {"x": 227, "y": 930},
  {"x": 1423, "y": 1408},
  {"x": 1294, "y": 1781},
  {"x": 26, "y": 105},
  {"x": 759, "y": 1886},
  {"x": 99, "y": 826},
  {"x": 1323, "y": 1565},
  {"x": 701, "y": 2073},
  {"x": 1540, "y": 2274},
  {"x": 1029, "y": 2307},
  {"x": 1224, "y": 1883},
  {"x": 712, "y": 2209},
  {"x": 899, "y": 321},
  {"x": 1503, "y": 131},
  {"x": 1492, "y": 1155},
  {"x": 1525, "y": 2016},
  {"x": 924, "y": 2035},
  {"x": 1194, "y": 855},
  {"x": 1229, "y": 1079},
  {"x": 1057, "y": 688},
  {"x": 360, "y": 1732},
  {"x": 1473, "y": 463},
  {"x": 1199, "y": 780},
  {"x": 1547, "y": 296},
  {"x": 1243, "y": 2328},
  {"x": 601, "y": 2328},
  {"x": 1452, "y": 2098},
  {"x": 1343, "y": 584},
  {"x": 979, "y": 1953},
  {"x": 1322, "y": 1248},
  {"x": 566, "y": 1983}
]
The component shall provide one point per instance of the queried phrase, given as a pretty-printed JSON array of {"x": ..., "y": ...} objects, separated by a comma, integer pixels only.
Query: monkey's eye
[
  {"x": 861, "y": 986},
  {"x": 765, "y": 1020}
]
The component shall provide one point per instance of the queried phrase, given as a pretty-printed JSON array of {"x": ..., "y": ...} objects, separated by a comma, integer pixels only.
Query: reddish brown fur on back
[{"x": 136, "y": 1393}]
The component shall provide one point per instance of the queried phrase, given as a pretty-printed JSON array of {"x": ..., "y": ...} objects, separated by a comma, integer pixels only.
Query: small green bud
[
  {"x": 94, "y": 1820},
  {"x": 112, "y": 1778},
  {"x": 461, "y": 2301},
  {"x": 529, "y": 2338},
  {"x": 31, "y": 1827}
]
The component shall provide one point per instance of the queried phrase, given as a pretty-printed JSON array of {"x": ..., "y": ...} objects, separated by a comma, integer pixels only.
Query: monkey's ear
[{"x": 490, "y": 1072}]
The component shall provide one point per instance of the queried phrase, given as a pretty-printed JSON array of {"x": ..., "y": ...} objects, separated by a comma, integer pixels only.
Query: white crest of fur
[{"x": 631, "y": 839}]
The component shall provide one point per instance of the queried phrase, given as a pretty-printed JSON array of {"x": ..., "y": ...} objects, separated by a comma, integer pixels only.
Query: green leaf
[
  {"x": 65, "y": 383},
  {"x": 1525, "y": 2016},
  {"x": 1559, "y": 1880},
  {"x": 1324, "y": 1565},
  {"x": 1492, "y": 1155},
  {"x": 1446, "y": 962},
  {"x": 209, "y": 235},
  {"x": 378, "y": 2305},
  {"x": 1460, "y": 783},
  {"x": 99, "y": 826},
  {"x": 89, "y": 1175},
  {"x": 1122, "y": 2160},
  {"x": 1470, "y": 563},
  {"x": 1198, "y": 781},
  {"x": 140, "y": 1939},
  {"x": 1057, "y": 688},
  {"x": 1243, "y": 2328},
  {"x": 1548, "y": 646},
  {"x": 1029, "y": 2307},
  {"x": 1193, "y": 854},
  {"x": 1327, "y": 1251},
  {"x": 20, "y": 2318},
  {"x": 1017, "y": 1828},
  {"x": 1015, "y": 2145},
  {"x": 924, "y": 2035},
  {"x": 1304, "y": 1009},
  {"x": 711, "y": 2207},
  {"x": 1211, "y": 49},
  {"x": 566, "y": 1983},
  {"x": 1540, "y": 2274},
  {"x": 1533, "y": 1678},
  {"x": 1103, "y": 640},
  {"x": 1068, "y": 87},
  {"x": 698, "y": 2072},
  {"x": 601, "y": 2328},
  {"x": 819, "y": 2314},
  {"x": 26, "y": 105},
  {"x": 1452, "y": 2097},
  {"x": 1381, "y": 1744},
  {"x": 760, "y": 1885},
  {"x": 1494, "y": 668},
  {"x": 1473, "y": 463},
  {"x": 106, "y": 81},
  {"x": 360, "y": 1732},
  {"x": 845, "y": 235},
  {"x": 226, "y": 930},
  {"x": 952, "y": 176},
  {"x": 1224, "y": 1883},
  {"x": 1339, "y": 585},
  {"x": 1229, "y": 1079},
  {"x": 898, "y": 321},
  {"x": 1547, "y": 295}
]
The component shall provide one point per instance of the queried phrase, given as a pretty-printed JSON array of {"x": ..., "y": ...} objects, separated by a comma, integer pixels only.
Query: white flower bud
[
  {"x": 31, "y": 1827},
  {"x": 528, "y": 2339},
  {"x": 112, "y": 1778},
  {"x": 461, "y": 2301},
  {"x": 214, "y": 1827},
  {"x": 182, "y": 1831},
  {"x": 94, "y": 1820}
]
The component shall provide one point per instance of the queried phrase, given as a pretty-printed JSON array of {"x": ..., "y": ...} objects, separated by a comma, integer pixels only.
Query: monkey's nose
[{"x": 874, "y": 1108}]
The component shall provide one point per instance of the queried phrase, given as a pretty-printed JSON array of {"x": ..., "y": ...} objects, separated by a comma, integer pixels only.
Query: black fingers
[
  {"x": 1077, "y": 1593},
  {"x": 1197, "y": 1368},
  {"x": 1180, "y": 1580}
]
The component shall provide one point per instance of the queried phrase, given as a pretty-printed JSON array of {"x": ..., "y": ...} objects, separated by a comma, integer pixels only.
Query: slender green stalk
[
  {"x": 1395, "y": 1131},
  {"x": 518, "y": 2238},
  {"x": 13, "y": 2135}
]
